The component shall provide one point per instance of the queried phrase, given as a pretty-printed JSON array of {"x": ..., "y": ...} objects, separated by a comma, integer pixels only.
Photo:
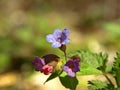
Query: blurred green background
[{"x": 94, "y": 26}]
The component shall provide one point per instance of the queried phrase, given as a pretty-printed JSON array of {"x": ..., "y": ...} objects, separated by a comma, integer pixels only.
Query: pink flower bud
[{"x": 46, "y": 69}]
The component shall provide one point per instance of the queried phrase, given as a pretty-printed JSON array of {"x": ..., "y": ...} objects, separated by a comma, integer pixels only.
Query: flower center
[
  {"x": 59, "y": 40},
  {"x": 71, "y": 65}
]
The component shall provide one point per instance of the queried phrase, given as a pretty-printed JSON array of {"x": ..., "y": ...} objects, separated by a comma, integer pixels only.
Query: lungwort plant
[{"x": 77, "y": 63}]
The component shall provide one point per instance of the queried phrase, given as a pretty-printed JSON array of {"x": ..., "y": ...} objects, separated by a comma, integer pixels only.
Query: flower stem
[
  {"x": 108, "y": 79},
  {"x": 63, "y": 48},
  {"x": 60, "y": 73},
  {"x": 65, "y": 55}
]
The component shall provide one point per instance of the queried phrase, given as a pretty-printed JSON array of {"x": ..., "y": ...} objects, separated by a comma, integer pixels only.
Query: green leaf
[
  {"x": 91, "y": 59},
  {"x": 116, "y": 68},
  {"x": 89, "y": 71},
  {"x": 97, "y": 85},
  {"x": 52, "y": 76},
  {"x": 89, "y": 62},
  {"x": 103, "y": 67},
  {"x": 69, "y": 82}
]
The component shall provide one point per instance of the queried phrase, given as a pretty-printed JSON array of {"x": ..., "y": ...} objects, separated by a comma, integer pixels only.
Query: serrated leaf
[
  {"x": 97, "y": 85},
  {"x": 103, "y": 67},
  {"x": 88, "y": 58},
  {"x": 89, "y": 71},
  {"x": 69, "y": 82},
  {"x": 91, "y": 59},
  {"x": 52, "y": 76},
  {"x": 116, "y": 68},
  {"x": 89, "y": 62}
]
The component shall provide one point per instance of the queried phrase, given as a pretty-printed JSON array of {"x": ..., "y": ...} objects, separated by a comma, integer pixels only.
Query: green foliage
[
  {"x": 52, "y": 76},
  {"x": 64, "y": 79},
  {"x": 90, "y": 62},
  {"x": 103, "y": 67},
  {"x": 69, "y": 82},
  {"x": 115, "y": 71},
  {"x": 116, "y": 68},
  {"x": 98, "y": 85},
  {"x": 88, "y": 71},
  {"x": 91, "y": 59},
  {"x": 116, "y": 64}
]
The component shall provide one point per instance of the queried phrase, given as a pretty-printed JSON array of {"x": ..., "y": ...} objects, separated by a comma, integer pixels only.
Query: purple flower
[
  {"x": 46, "y": 64},
  {"x": 71, "y": 67},
  {"x": 40, "y": 65},
  {"x": 58, "y": 38}
]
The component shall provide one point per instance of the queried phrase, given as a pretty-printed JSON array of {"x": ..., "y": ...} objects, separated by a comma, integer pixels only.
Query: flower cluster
[
  {"x": 47, "y": 63},
  {"x": 41, "y": 66}
]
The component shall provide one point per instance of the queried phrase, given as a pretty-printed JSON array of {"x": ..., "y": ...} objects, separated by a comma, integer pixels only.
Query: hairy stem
[
  {"x": 65, "y": 55},
  {"x": 108, "y": 79}
]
